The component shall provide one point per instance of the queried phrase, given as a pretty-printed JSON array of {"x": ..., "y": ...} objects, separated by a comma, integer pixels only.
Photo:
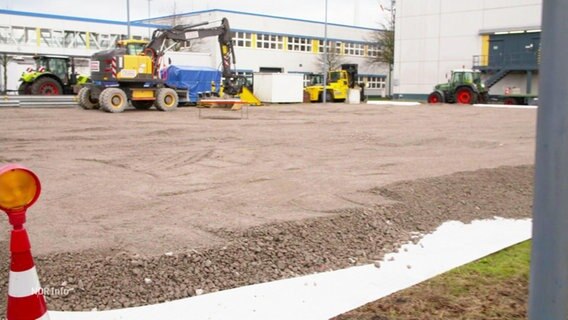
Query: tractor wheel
[
  {"x": 25, "y": 88},
  {"x": 465, "y": 95},
  {"x": 46, "y": 87},
  {"x": 142, "y": 104},
  {"x": 85, "y": 100},
  {"x": 435, "y": 97},
  {"x": 113, "y": 100},
  {"x": 166, "y": 99}
]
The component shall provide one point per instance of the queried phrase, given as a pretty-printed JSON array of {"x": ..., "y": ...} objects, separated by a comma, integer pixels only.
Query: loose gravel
[{"x": 114, "y": 279}]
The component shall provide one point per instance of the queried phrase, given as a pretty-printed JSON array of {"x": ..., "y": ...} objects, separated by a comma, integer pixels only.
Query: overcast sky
[{"x": 363, "y": 13}]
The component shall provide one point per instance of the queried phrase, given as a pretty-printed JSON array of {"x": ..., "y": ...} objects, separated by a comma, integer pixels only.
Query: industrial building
[
  {"x": 266, "y": 43},
  {"x": 501, "y": 38},
  {"x": 263, "y": 43}
]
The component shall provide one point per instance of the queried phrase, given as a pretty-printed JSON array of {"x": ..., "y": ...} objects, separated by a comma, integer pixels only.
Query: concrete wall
[{"x": 435, "y": 36}]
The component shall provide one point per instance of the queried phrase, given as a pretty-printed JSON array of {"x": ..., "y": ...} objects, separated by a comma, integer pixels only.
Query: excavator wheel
[
  {"x": 166, "y": 99},
  {"x": 46, "y": 87},
  {"x": 113, "y": 100},
  {"x": 85, "y": 100}
]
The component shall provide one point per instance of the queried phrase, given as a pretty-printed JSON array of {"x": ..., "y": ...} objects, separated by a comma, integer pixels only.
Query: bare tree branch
[
  {"x": 334, "y": 59},
  {"x": 384, "y": 40}
]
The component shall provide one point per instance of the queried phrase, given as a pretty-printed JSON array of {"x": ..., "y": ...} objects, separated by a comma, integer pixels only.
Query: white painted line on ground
[
  {"x": 324, "y": 295},
  {"x": 395, "y": 103},
  {"x": 507, "y": 106}
]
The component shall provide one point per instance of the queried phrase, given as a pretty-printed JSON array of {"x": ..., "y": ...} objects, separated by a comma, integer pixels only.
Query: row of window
[
  {"x": 276, "y": 42},
  {"x": 371, "y": 82}
]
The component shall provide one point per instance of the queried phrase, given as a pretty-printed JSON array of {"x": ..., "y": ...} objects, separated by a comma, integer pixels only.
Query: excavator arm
[{"x": 158, "y": 46}]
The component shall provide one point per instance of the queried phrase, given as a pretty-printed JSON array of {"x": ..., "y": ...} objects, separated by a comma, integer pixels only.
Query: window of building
[
  {"x": 373, "y": 50},
  {"x": 242, "y": 39},
  {"x": 354, "y": 49},
  {"x": 376, "y": 82},
  {"x": 299, "y": 44},
  {"x": 269, "y": 41},
  {"x": 334, "y": 46}
]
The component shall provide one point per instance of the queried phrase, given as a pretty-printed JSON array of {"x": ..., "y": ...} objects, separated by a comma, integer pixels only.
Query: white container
[
  {"x": 279, "y": 87},
  {"x": 354, "y": 96}
]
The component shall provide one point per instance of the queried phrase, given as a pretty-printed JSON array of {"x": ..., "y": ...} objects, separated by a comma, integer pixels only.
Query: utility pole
[
  {"x": 128, "y": 17},
  {"x": 548, "y": 292},
  {"x": 391, "y": 66},
  {"x": 149, "y": 30},
  {"x": 325, "y": 66}
]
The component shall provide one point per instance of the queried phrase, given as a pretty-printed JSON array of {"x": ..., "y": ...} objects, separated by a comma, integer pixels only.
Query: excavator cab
[{"x": 133, "y": 47}]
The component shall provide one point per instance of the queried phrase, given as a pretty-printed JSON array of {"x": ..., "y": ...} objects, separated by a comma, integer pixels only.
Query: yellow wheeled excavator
[{"x": 120, "y": 76}]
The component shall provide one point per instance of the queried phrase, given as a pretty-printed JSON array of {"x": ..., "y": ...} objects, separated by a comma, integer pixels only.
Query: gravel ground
[
  {"x": 150, "y": 182},
  {"x": 106, "y": 279},
  {"x": 292, "y": 190}
]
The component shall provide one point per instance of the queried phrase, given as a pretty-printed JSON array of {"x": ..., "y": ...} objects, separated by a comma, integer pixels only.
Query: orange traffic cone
[
  {"x": 19, "y": 189},
  {"x": 25, "y": 295}
]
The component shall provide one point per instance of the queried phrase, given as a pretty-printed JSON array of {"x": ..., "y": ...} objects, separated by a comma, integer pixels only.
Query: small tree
[
  {"x": 334, "y": 59},
  {"x": 384, "y": 40}
]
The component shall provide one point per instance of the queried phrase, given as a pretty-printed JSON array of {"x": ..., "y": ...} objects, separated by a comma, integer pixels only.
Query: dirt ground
[
  {"x": 292, "y": 190},
  {"x": 152, "y": 182}
]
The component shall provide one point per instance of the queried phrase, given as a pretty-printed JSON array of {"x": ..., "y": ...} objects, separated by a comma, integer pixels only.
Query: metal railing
[
  {"x": 66, "y": 101},
  {"x": 519, "y": 60}
]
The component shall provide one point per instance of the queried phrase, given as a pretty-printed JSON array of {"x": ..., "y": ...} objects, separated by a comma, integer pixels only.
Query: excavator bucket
[{"x": 249, "y": 98}]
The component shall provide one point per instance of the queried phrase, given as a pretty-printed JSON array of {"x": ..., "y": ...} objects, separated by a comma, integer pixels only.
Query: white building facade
[
  {"x": 263, "y": 43},
  {"x": 266, "y": 43},
  {"x": 501, "y": 38}
]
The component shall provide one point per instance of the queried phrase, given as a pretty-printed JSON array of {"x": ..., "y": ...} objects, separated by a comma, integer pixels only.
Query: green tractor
[
  {"x": 464, "y": 87},
  {"x": 53, "y": 75}
]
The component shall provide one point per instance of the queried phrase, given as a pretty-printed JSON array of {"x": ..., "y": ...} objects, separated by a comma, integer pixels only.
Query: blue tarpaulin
[{"x": 196, "y": 80}]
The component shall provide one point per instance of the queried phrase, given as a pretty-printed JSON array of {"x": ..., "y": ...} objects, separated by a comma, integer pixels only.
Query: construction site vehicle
[
  {"x": 314, "y": 79},
  {"x": 517, "y": 99},
  {"x": 464, "y": 86},
  {"x": 119, "y": 77},
  {"x": 338, "y": 84},
  {"x": 53, "y": 75},
  {"x": 132, "y": 46}
]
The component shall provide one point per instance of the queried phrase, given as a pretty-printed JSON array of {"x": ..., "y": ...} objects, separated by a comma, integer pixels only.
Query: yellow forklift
[{"x": 338, "y": 84}]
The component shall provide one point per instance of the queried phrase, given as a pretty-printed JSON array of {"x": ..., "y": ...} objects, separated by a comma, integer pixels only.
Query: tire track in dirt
[{"x": 118, "y": 165}]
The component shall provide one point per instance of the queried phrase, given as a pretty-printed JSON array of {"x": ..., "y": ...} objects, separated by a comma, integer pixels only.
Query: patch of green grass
[
  {"x": 494, "y": 287},
  {"x": 509, "y": 263}
]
